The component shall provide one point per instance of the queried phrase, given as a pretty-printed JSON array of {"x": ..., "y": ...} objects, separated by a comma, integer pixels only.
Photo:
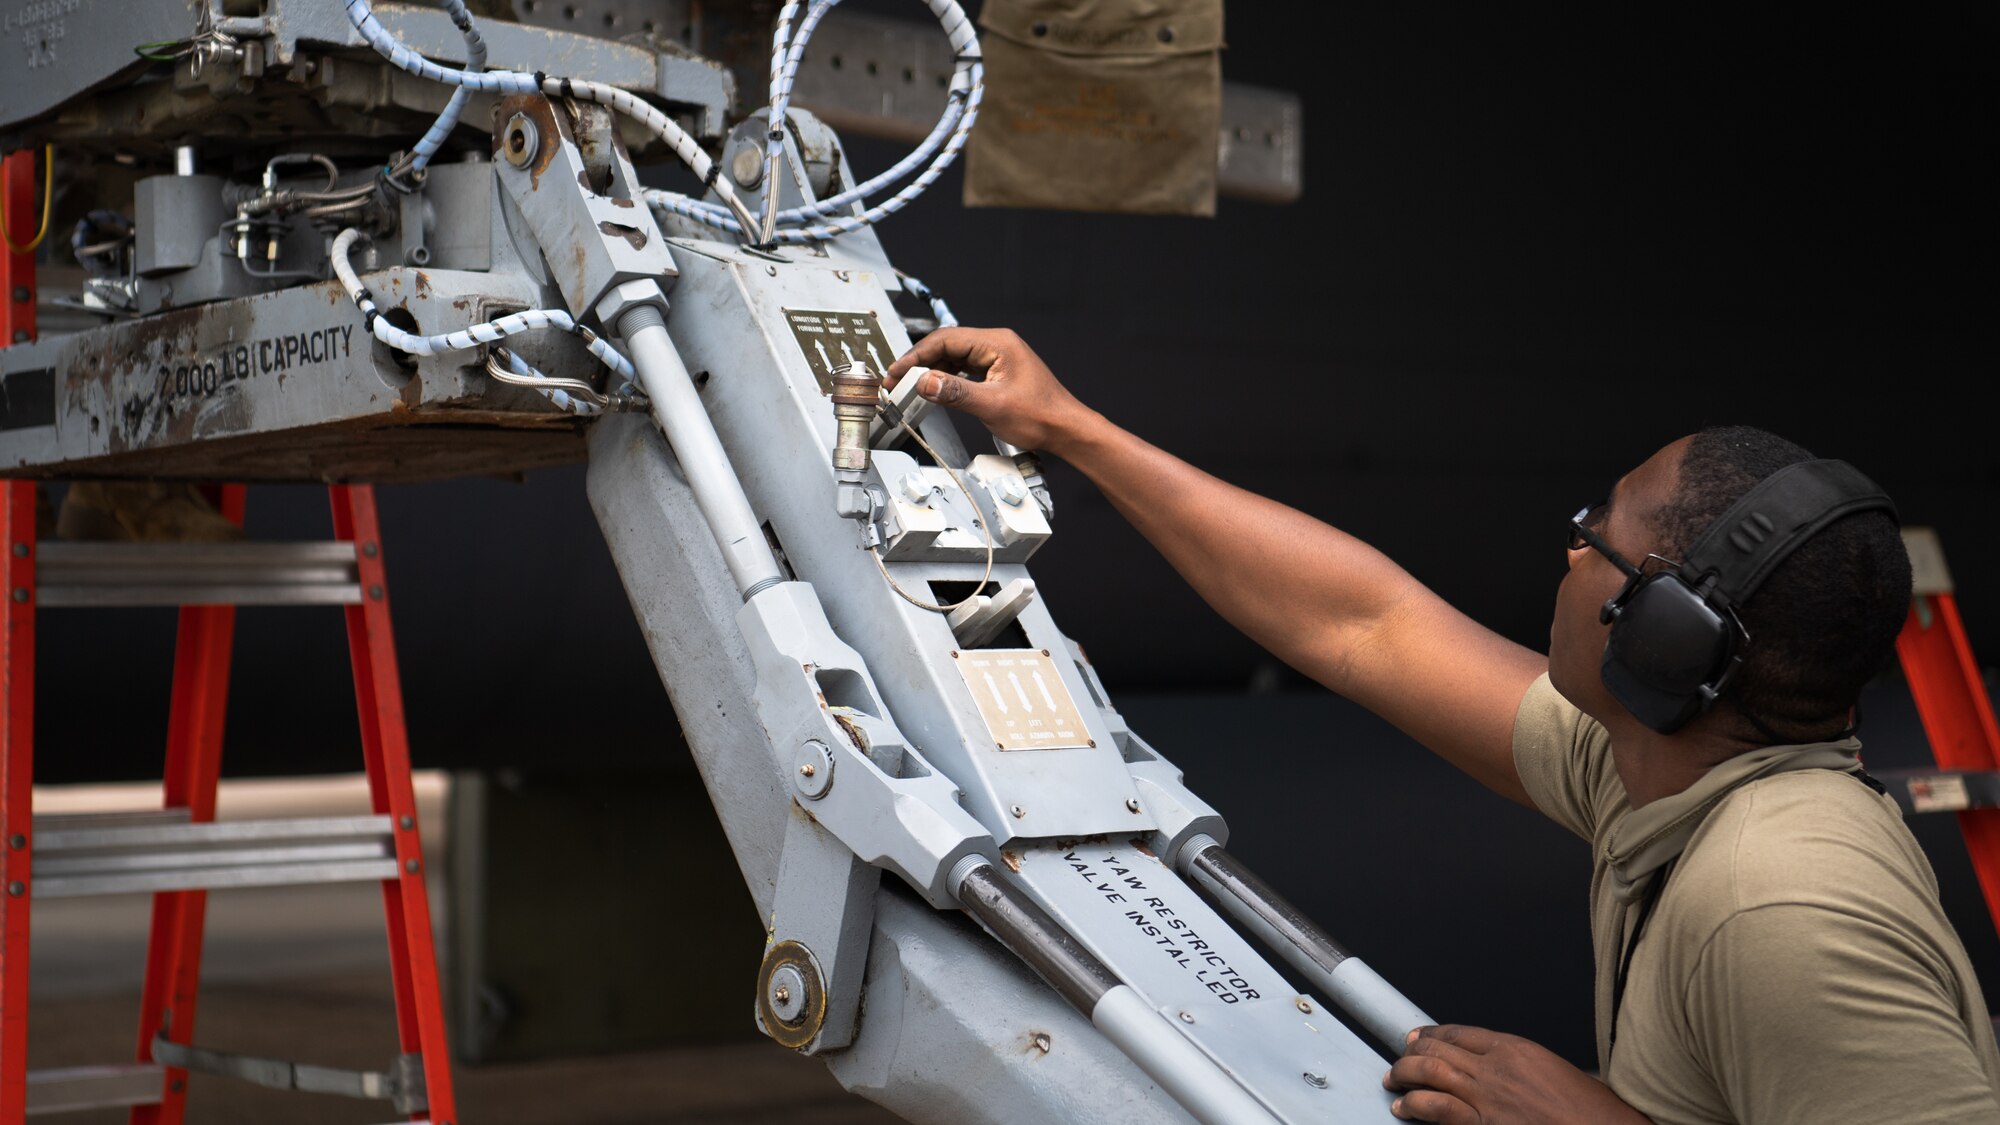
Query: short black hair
[{"x": 1825, "y": 622}]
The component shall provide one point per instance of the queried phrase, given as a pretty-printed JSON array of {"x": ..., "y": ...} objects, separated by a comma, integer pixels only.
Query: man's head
[{"x": 1821, "y": 625}]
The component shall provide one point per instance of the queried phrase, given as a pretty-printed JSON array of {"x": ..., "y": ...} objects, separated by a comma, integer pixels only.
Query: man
[{"x": 1768, "y": 937}]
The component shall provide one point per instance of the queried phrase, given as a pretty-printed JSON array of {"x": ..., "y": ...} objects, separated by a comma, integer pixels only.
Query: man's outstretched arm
[{"x": 1319, "y": 599}]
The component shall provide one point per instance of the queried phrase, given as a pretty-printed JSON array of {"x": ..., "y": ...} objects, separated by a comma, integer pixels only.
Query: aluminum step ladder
[{"x": 181, "y": 852}]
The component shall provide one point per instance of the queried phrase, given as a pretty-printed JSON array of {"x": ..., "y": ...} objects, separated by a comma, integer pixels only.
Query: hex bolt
[
  {"x": 1011, "y": 490},
  {"x": 1317, "y": 1080},
  {"x": 1042, "y": 1042},
  {"x": 915, "y": 489},
  {"x": 1304, "y": 1004}
]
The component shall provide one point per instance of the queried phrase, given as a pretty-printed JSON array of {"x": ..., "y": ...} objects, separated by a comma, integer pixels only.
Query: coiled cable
[{"x": 489, "y": 332}]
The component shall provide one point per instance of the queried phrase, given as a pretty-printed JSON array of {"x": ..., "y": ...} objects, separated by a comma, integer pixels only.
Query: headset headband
[{"x": 1741, "y": 548}]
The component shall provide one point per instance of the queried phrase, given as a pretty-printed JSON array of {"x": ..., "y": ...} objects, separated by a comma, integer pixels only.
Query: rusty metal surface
[{"x": 288, "y": 386}]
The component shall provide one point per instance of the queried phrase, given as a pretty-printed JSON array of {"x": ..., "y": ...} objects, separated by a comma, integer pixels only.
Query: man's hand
[
  {"x": 1017, "y": 396},
  {"x": 1457, "y": 1075}
]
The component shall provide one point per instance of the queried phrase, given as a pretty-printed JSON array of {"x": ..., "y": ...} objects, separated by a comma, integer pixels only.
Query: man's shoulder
[{"x": 1809, "y": 838}]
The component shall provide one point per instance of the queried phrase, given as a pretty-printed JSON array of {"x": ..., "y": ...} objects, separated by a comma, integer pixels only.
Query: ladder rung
[
  {"x": 57, "y": 822},
  {"x": 69, "y": 574},
  {"x": 71, "y": 1088},
  {"x": 1929, "y": 791},
  {"x": 148, "y": 853}
]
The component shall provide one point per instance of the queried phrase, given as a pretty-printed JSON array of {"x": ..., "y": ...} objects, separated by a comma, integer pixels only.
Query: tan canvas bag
[{"x": 1098, "y": 105}]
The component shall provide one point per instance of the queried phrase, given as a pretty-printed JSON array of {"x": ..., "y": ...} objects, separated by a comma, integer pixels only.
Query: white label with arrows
[{"x": 1022, "y": 697}]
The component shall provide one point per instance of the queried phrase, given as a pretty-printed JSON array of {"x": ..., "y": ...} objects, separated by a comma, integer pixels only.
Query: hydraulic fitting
[
  {"x": 1038, "y": 485},
  {"x": 856, "y": 397}
]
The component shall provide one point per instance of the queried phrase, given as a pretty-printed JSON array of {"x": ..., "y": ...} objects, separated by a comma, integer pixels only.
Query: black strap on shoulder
[
  {"x": 1770, "y": 521},
  {"x": 1646, "y": 904}
]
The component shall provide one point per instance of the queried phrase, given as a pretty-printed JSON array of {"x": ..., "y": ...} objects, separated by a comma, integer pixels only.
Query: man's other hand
[
  {"x": 1457, "y": 1075},
  {"x": 991, "y": 374}
]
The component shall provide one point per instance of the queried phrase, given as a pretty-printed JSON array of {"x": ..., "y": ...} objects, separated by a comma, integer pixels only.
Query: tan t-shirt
[{"x": 1796, "y": 966}]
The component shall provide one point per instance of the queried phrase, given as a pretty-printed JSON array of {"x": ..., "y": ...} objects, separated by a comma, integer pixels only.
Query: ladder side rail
[
  {"x": 17, "y": 668},
  {"x": 385, "y": 746},
  {"x": 203, "y": 644},
  {"x": 1957, "y": 718}
]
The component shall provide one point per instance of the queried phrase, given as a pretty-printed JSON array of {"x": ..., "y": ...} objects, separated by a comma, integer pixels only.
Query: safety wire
[
  {"x": 875, "y": 549},
  {"x": 48, "y": 197}
]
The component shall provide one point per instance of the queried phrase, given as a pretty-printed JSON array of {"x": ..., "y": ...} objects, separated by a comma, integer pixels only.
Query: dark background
[{"x": 1533, "y": 247}]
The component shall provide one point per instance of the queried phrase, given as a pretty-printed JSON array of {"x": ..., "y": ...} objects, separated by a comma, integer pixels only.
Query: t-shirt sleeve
[
  {"x": 1563, "y": 757},
  {"x": 1805, "y": 1014}
]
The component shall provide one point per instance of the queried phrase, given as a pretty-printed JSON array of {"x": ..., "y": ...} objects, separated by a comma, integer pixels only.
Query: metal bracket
[
  {"x": 583, "y": 208},
  {"x": 402, "y": 1085}
]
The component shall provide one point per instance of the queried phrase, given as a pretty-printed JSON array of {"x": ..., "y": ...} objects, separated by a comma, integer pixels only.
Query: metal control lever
[
  {"x": 1347, "y": 980},
  {"x": 980, "y": 619},
  {"x": 1202, "y": 1087}
]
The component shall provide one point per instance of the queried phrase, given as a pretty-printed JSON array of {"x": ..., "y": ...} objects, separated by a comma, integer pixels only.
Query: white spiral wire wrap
[
  {"x": 964, "y": 94},
  {"x": 683, "y": 146},
  {"x": 831, "y": 205},
  {"x": 489, "y": 332},
  {"x": 475, "y": 62},
  {"x": 947, "y": 139},
  {"x": 572, "y": 395},
  {"x": 922, "y": 292}
]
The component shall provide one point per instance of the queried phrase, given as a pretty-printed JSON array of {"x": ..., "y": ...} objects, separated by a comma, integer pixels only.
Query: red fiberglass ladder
[
  {"x": 180, "y": 852},
  {"x": 1957, "y": 714}
]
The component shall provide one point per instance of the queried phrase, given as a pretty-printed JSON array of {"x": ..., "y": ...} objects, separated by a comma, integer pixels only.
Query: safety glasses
[{"x": 1582, "y": 535}]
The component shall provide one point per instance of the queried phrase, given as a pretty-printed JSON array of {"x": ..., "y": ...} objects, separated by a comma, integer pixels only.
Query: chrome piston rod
[
  {"x": 1346, "y": 980},
  {"x": 677, "y": 407},
  {"x": 1168, "y": 1057}
]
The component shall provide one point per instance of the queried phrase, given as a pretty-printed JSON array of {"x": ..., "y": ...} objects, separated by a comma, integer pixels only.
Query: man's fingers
[
  {"x": 1443, "y": 1049},
  {"x": 1478, "y": 1040},
  {"x": 1427, "y": 1072},
  {"x": 1429, "y": 1105},
  {"x": 946, "y": 390},
  {"x": 952, "y": 350}
]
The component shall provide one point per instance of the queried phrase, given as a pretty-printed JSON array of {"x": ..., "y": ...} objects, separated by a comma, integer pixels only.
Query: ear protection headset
[{"x": 1676, "y": 641}]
